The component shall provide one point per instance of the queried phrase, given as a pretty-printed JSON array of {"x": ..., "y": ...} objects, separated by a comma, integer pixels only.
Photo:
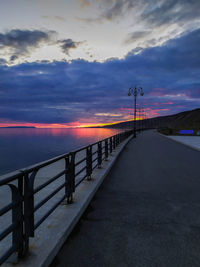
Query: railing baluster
[
  {"x": 66, "y": 174},
  {"x": 111, "y": 145},
  {"x": 28, "y": 208},
  {"x": 71, "y": 178},
  {"x": 26, "y": 214},
  {"x": 89, "y": 162},
  {"x": 114, "y": 142},
  {"x": 31, "y": 202},
  {"x": 17, "y": 218},
  {"x": 99, "y": 154},
  {"x": 21, "y": 192},
  {"x": 106, "y": 149}
]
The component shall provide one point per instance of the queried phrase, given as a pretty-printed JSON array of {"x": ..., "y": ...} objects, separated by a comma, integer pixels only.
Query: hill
[{"x": 184, "y": 120}]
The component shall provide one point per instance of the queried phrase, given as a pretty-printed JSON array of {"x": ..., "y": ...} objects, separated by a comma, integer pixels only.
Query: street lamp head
[
  {"x": 141, "y": 91},
  {"x": 129, "y": 92}
]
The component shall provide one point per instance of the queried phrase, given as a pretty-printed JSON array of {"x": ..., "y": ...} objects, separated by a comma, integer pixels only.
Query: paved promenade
[
  {"x": 146, "y": 213},
  {"x": 192, "y": 141}
]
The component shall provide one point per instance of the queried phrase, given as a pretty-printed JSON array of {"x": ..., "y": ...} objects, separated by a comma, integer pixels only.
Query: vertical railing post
[
  {"x": 106, "y": 149},
  {"x": 117, "y": 139},
  {"x": 17, "y": 218},
  {"x": 73, "y": 171},
  {"x": 21, "y": 192},
  {"x": 66, "y": 174},
  {"x": 71, "y": 178},
  {"x": 111, "y": 145},
  {"x": 114, "y": 142},
  {"x": 99, "y": 154},
  {"x": 26, "y": 214},
  {"x": 28, "y": 208},
  {"x": 31, "y": 202},
  {"x": 89, "y": 162}
]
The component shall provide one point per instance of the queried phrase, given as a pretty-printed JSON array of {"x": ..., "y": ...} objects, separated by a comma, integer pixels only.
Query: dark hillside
[{"x": 184, "y": 120}]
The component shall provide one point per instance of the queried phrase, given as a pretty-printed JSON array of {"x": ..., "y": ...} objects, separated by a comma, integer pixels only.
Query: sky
[{"x": 71, "y": 62}]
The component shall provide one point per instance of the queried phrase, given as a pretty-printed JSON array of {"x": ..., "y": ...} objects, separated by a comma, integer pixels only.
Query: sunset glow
[
  {"x": 145, "y": 113},
  {"x": 63, "y": 126}
]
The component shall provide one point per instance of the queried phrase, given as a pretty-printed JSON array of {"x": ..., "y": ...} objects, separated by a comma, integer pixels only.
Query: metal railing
[{"x": 76, "y": 167}]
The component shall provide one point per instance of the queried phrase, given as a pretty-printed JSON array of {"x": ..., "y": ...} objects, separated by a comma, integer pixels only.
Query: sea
[{"x": 22, "y": 147}]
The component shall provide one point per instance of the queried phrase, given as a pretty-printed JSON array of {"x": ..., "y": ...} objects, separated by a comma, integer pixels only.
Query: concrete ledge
[
  {"x": 181, "y": 142},
  {"x": 52, "y": 234}
]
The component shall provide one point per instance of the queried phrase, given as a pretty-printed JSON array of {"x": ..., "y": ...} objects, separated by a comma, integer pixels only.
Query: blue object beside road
[{"x": 186, "y": 131}]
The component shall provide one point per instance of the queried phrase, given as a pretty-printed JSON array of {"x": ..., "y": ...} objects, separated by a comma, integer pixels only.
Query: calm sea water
[{"x": 23, "y": 147}]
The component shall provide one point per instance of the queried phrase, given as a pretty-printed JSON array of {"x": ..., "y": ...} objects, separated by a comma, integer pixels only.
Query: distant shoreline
[{"x": 19, "y": 127}]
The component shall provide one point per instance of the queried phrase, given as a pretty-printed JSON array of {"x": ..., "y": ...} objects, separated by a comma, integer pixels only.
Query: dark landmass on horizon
[
  {"x": 183, "y": 120},
  {"x": 19, "y": 127}
]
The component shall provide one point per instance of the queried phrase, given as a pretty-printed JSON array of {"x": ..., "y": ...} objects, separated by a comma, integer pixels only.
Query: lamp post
[
  {"x": 139, "y": 119},
  {"x": 135, "y": 91}
]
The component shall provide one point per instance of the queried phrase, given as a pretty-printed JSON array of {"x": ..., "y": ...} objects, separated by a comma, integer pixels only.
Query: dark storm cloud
[
  {"x": 22, "y": 38},
  {"x": 20, "y": 42},
  {"x": 3, "y": 61},
  {"x": 68, "y": 44},
  {"x": 132, "y": 37},
  {"x": 62, "y": 92},
  {"x": 159, "y": 13},
  {"x": 14, "y": 57},
  {"x": 116, "y": 9}
]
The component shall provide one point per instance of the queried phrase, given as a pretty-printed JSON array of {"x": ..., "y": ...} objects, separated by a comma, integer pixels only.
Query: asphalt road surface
[{"x": 146, "y": 213}]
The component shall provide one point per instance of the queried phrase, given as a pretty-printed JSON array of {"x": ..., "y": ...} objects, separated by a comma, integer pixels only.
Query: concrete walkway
[
  {"x": 146, "y": 213},
  {"x": 191, "y": 141}
]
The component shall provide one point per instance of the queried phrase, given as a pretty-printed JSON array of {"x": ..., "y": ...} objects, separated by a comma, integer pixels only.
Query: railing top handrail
[
  {"x": 84, "y": 147},
  {"x": 9, "y": 177}
]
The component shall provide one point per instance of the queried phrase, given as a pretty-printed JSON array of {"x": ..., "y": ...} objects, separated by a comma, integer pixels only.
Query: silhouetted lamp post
[{"x": 135, "y": 91}]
